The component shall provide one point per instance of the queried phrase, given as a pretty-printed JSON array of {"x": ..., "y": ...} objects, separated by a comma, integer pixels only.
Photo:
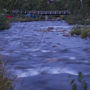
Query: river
[{"x": 41, "y": 59}]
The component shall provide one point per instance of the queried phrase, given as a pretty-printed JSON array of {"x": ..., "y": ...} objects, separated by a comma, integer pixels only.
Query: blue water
[{"x": 43, "y": 59}]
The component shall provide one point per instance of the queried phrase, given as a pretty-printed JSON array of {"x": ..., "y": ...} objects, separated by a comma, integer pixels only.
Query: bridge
[
  {"x": 39, "y": 14},
  {"x": 65, "y": 12},
  {"x": 50, "y": 12}
]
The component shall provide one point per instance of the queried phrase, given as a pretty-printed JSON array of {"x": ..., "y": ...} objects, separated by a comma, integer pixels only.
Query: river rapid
[{"x": 41, "y": 59}]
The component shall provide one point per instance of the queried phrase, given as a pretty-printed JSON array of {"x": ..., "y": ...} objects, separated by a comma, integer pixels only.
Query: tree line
[{"x": 75, "y": 6}]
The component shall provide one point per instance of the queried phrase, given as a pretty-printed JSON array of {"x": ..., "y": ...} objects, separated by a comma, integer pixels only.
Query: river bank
[
  {"x": 83, "y": 32},
  {"x": 5, "y": 81},
  {"x": 4, "y": 22},
  {"x": 71, "y": 19},
  {"x": 77, "y": 19}
]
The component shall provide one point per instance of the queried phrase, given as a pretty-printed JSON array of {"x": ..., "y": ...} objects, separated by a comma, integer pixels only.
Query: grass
[
  {"x": 25, "y": 19},
  {"x": 82, "y": 32},
  {"x": 5, "y": 82},
  {"x": 85, "y": 33},
  {"x": 78, "y": 81}
]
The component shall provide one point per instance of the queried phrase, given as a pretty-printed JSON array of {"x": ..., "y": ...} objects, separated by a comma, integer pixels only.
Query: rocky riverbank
[{"x": 83, "y": 32}]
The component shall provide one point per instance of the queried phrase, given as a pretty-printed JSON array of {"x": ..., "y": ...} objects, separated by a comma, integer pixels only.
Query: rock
[
  {"x": 66, "y": 34},
  {"x": 63, "y": 30},
  {"x": 54, "y": 46},
  {"x": 50, "y": 28}
]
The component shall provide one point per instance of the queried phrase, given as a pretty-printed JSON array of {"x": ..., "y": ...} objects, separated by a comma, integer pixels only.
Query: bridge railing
[{"x": 65, "y": 12}]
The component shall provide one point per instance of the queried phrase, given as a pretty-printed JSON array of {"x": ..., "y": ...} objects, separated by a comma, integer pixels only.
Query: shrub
[
  {"x": 5, "y": 82},
  {"x": 78, "y": 81},
  {"x": 4, "y": 23},
  {"x": 83, "y": 32},
  {"x": 75, "y": 31}
]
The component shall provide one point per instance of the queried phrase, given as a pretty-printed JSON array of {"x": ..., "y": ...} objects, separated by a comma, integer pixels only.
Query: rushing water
[{"x": 43, "y": 60}]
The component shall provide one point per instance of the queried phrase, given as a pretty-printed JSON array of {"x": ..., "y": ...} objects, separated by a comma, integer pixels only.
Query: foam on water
[{"x": 46, "y": 70}]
